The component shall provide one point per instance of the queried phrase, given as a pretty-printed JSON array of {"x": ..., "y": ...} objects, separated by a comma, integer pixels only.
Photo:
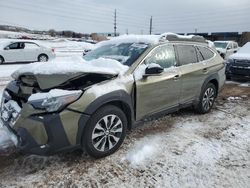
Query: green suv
[{"x": 89, "y": 103}]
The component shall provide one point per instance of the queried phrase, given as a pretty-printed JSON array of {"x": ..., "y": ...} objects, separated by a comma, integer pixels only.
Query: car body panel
[{"x": 158, "y": 92}]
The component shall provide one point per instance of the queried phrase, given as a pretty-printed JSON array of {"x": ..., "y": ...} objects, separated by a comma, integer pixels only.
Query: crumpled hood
[{"x": 56, "y": 72}]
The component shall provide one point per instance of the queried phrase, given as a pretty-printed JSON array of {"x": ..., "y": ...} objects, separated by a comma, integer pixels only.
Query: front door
[
  {"x": 156, "y": 93},
  {"x": 14, "y": 52}
]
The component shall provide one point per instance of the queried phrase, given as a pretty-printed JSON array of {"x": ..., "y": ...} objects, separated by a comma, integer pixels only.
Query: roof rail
[{"x": 175, "y": 37}]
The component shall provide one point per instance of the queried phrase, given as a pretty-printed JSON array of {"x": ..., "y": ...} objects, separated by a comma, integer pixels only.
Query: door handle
[
  {"x": 176, "y": 77},
  {"x": 205, "y": 70}
]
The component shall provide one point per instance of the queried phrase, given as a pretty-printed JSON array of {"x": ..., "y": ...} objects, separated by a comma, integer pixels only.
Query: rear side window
[
  {"x": 205, "y": 52},
  {"x": 187, "y": 54},
  {"x": 31, "y": 46},
  {"x": 235, "y": 45}
]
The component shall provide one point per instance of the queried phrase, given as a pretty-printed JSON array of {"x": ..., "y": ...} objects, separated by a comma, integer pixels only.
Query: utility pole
[
  {"x": 127, "y": 31},
  {"x": 195, "y": 30},
  {"x": 151, "y": 25},
  {"x": 115, "y": 24}
]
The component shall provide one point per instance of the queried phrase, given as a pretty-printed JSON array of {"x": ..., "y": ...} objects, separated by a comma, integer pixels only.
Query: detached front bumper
[{"x": 43, "y": 133}]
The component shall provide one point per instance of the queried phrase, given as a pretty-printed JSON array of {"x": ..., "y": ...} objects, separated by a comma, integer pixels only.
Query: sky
[{"x": 133, "y": 16}]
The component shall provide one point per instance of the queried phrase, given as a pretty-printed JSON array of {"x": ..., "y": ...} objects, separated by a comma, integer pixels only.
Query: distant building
[
  {"x": 108, "y": 34},
  {"x": 241, "y": 38}
]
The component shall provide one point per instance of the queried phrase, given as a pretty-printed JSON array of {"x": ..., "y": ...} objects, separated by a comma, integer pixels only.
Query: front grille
[
  {"x": 242, "y": 61},
  {"x": 9, "y": 109}
]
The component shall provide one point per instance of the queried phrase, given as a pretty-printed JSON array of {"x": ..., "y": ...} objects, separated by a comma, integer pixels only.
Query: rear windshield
[{"x": 125, "y": 53}]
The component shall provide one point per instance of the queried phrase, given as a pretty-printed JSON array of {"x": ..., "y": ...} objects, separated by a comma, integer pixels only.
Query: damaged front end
[{"x": 34, "y": 110}]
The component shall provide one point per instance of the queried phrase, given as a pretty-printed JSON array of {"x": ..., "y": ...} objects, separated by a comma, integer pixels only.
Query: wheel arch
[
  {"x": 120, "y": 99},
  {"x": 214, "y": 79}
]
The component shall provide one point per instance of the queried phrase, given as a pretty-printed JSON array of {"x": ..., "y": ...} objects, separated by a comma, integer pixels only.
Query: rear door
[
  {"x": 193, "y": 72},
  {"x": 14, "y": 52},
  {"x": 158, "y": 92},
  {"x": 31, "y": 51}
]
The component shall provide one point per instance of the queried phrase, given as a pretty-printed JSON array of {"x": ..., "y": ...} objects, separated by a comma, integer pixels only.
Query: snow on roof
[
  {"x": 148, "y": 39},
  {"x": 72, "y": 65}
]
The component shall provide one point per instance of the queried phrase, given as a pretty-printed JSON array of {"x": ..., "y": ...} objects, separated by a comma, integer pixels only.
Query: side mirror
[
  {"x": 229, "y": 48},
  {"x": 153, "y": 70},
  {"x": 7, "y": 48}
]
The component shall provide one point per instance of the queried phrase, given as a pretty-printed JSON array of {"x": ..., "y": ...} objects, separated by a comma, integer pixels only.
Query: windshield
[
  {"x": 125, "y": 53},
  {"x": 220, "y": 44}
]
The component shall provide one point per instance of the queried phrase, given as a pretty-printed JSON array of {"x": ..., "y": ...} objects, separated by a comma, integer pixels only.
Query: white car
[
  {"x": 226, "y": 48},
  {"x": 24, "y": 51}
]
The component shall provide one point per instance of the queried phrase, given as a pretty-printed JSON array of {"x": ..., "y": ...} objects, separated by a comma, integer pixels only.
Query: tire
[
  {"x": 1, "y": 60},
  {"x": 207, "y": 98},
  {"x": 99, "y": 141},
  {"x": 42, "y": 58}
]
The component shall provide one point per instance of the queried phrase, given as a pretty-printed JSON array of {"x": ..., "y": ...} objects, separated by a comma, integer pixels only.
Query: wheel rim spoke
[
  {"x": 111, "y": 145},
  {"x": 96, "y": 135},
  {"x": 116, "y": 125},
  {"x": 97, "y": 144}
]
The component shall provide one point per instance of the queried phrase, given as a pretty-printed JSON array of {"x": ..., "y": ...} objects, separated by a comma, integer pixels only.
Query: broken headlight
[{"x": 54, "y": 100}]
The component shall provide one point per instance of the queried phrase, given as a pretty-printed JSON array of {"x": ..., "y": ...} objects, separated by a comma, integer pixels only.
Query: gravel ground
[{"x": 183, "y": 149}]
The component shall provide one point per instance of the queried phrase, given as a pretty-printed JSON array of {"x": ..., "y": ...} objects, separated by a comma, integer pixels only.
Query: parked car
[
  {"x": 238, "y": 64},
  {"x": 24, "y": 51},
  {"x": 226, "y": 48},
  {"x": 91, "y": 105}
]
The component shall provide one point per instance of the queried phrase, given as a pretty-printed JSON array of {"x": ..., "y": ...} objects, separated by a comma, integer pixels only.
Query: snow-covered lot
[{"x": 179, "y": 150}]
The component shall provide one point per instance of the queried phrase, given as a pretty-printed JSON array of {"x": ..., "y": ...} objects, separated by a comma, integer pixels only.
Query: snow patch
[
  {"x": 234, "y": 98},
  {"x": 72, "y": 65},
  {"x": 144, "y": 151},
  {"x": 113, "y": 85},
  {"x": 140, "y": 71},
  {"x": 147, "y": 39}
]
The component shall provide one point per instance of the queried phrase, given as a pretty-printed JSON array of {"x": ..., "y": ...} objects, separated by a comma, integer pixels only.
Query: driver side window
[{"x": 163, "y": 56}]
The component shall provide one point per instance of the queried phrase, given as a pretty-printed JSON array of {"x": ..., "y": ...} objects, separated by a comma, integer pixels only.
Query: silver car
[{"x": 24, "y": 51}]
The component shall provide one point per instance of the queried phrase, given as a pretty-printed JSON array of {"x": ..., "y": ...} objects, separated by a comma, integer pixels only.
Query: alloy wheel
[
  {"x": 43, "y": 58},
  {"x": 208, "y": 99},
  {"x": 107, "y": 133}
]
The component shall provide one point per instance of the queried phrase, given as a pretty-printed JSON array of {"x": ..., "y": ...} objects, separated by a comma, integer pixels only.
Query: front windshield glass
[
  {"x": 125, "y": 53},
  {"x": 220, "y": 44}
]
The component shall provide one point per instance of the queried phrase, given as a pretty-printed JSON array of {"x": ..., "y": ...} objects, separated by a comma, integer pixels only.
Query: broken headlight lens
[{"x": 54, "y": 100}]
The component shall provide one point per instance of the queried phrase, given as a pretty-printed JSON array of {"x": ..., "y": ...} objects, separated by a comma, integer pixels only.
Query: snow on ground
[
  {"x": 6, "y": 70},
  {"x": 183, "y": 149},
  {"x": 65, "y": 48}
]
